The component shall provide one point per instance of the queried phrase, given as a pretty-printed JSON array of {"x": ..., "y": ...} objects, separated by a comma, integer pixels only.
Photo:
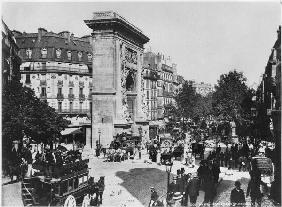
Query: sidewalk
[{"x": 11, "y": 193}]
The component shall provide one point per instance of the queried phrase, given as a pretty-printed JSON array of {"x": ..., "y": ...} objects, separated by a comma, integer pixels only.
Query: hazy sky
[{"x": 204, "y": 39}]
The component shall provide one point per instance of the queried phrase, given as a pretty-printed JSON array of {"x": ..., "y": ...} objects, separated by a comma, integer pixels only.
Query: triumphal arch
[{"x": 117, "y": 96}]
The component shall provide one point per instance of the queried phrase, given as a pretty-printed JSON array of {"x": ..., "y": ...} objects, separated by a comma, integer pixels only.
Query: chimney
[
  {"x": 41, "y": 32},
  {"x": 65, "y": 34},
  {"x": 72, "y": 35}
]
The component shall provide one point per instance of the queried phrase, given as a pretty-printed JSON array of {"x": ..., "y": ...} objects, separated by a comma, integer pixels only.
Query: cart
[
  {"x": 266, "y": 168},
  {"x": 68, "y": 190}
]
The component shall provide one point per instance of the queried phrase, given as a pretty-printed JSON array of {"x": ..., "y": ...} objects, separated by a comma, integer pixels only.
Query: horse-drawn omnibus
[{"x": 68, "y": 189}]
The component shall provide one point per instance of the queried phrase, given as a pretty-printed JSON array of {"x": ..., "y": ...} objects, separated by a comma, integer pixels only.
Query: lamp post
[
  {"x": 168, "y": 167},
  {"x": 99, "y": 131}
]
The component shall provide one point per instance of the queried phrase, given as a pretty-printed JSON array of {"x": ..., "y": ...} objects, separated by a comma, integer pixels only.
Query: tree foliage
[
  {"x": 191, "y": 104},
  {"x": 232, "y": 100},
  {"x": 186, "y": 100},
  {"x": 24, "y": 113}
]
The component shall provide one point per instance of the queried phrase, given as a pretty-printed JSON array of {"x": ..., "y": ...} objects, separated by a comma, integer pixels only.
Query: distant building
[
  {"x": 271, "y": 87},
  {"x": 150, "y": 75},
  {"x": 203, "y": 88},
  {"x": 270, "y": 99},
  {"x": 167, "y": 83},
  {"x": 10, "y": 59},
  {"x": 58, "y": 67}
]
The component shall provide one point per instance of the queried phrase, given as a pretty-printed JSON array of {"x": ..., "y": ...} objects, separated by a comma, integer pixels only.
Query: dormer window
[
  {"x": 29, "y": 53},
  {"x": 79, "y": 54},
  {"x": 69, "y": 55},
  {"x": 58, "y": 53},
  {"x": 89, "y": 57},
  {"x": 44, "y": 52}
]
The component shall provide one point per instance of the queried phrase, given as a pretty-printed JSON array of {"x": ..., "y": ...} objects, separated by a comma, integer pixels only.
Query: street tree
[
  {"x": 186, "y": 100},
  {"x": 172, "y": 114},
  {"x": 232, "y": 100},
  {"x": 23, "y": 113}
]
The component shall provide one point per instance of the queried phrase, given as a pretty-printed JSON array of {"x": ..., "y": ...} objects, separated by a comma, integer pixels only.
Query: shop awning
[{"x": 68, "y": 131}]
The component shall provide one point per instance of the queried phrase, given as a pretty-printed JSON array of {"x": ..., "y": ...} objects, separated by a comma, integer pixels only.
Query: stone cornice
[{"x": 110, "y": 22}]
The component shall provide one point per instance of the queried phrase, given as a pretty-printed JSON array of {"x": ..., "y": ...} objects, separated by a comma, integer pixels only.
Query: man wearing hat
[
  {"x": 177, "y": 198},
  {"x": 154, "y": 197},
  {"x": 237, "y": 197},
  {"x": 192, "y": 189},
  {"x": 15, "y": 160}
]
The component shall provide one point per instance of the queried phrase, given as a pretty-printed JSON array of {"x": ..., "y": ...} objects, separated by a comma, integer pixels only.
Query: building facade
[
  {"x": 58, "y": 67},
  {"x": 150, "y": 75},
  {"x": 202, "y": 88},
  {"x": 167, "y": 84},
  {"x": 270, "y": 101},
  {"x": 117, "y": 96},
  {"x": 10, "y": 59}
]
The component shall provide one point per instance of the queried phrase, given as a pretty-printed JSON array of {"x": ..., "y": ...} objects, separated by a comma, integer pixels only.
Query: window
[
  {"x": 147, "y": 83},
  {"x": 69, "y": 55},
  {"x": 29, "y": 53},
  {"x": 58, "y": 53},
  {"x": 43, "y": 91},
  {"x": 43, "y": 52},
  {"x": 148, "y": 95},
  {"x": 80, "y": 106},
  {"x": 71, "y": 91},
  {"x": 71, "y": 106},
  {"x": 80, "y": 91},
  {"x": 59, "y": 106},
  {"x": 60, "y": 91},
  {"x": 89, "y": 56},
  {"x": 79, "y": 54},
  {"x": 27, "y": 79}
]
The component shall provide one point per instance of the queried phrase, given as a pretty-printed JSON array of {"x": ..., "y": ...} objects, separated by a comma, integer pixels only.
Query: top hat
[{"x": 177, "y": 196}]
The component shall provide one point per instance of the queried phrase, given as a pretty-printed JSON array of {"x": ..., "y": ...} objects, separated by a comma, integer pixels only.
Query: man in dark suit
[
  {"x": 192, "y": 189},
  {"x": 237, "y": 197}
]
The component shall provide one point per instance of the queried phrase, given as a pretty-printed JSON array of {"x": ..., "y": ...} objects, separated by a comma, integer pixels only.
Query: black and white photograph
[{"x": 141, "y": 103}]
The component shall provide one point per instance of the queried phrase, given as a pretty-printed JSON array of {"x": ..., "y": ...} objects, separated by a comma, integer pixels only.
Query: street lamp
[
  {"x": 168, "y": 167},
  {"x": 99, "y": 131}
]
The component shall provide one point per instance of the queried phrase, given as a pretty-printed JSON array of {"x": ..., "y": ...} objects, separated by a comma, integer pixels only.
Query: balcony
[
  {"x": 71, "y": 84},
  {"x": 82, "y": 97},
  {"x": 60, "y": 96},
  {"x": 73, "y": 111},
  {"x": 71, "y": 97},
  {"x": 60, "y": 83},
  {"x": 43, "y": 83},
  {"x": 153, "y": 75},
  {"x": 63, "y": 69}
]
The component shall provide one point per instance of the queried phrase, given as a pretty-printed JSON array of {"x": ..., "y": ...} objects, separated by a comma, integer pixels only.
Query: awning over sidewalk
[{"x": 68, "y": 131}]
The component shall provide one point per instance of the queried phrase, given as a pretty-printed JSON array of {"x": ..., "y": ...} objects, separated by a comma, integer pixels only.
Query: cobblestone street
[{"x": 128, "y": 183}]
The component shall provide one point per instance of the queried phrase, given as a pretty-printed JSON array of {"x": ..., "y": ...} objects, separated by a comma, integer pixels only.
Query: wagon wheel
[
  {"x": 86, "y": 201},
  {"x": 70, "y": 201}
]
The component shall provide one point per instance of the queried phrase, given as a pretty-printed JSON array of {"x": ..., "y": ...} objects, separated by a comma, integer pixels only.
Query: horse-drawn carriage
[{"x": 68, "y": 189}]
